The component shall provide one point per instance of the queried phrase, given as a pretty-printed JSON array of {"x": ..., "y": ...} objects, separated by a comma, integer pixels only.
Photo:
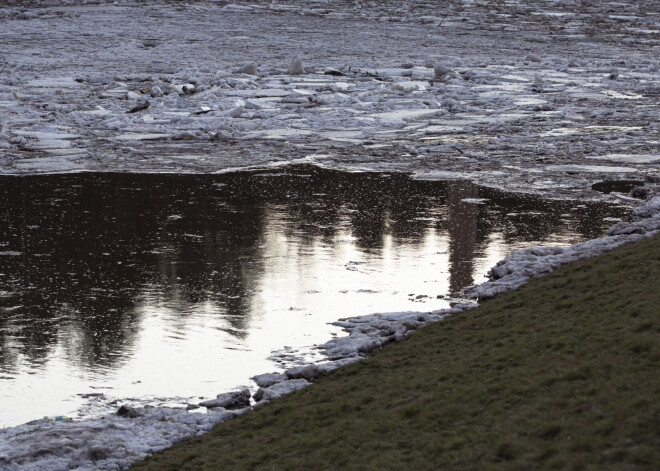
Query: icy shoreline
[{"x": 116, "y": 441}]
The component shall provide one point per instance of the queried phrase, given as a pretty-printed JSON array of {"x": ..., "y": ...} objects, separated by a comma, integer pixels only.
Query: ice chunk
[
  {"x": 443, "y": 72},
  {"x": 236, "y": 112},
  {"x": 230, "y": 400},
  {"x": 248, "y": 69},
  {"x": 156, "y": 91},
  {"x": 268, "y": 379},
  {"x": 308, "y": 372},
  {"x": 296, "y": 66},
  {"x": 280, "y": 389},
  {"x": 533, "y": 57},
  {"x": 411, "y": 86}
]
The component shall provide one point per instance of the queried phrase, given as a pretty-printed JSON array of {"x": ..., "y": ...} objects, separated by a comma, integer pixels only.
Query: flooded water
[{"x": 163, "y": 289}]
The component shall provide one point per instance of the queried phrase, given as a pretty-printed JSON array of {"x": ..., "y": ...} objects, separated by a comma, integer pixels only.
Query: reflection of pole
[{"x": 462, "y": 233}]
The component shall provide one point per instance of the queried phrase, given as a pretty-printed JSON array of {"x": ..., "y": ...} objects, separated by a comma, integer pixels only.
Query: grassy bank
[{"x": 562, "y": 373}]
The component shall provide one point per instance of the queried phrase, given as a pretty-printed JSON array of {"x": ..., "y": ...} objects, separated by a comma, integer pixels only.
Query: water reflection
[
  {"x": 157, "y": 284},
  {"x": 463, "y": 216}
]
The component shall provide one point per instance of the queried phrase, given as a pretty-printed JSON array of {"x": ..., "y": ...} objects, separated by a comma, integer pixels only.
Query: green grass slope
[{"x": 560, "y": 374}]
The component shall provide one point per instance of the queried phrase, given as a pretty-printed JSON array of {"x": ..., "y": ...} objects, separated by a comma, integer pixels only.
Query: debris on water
[{"x": 90, "y": 395}]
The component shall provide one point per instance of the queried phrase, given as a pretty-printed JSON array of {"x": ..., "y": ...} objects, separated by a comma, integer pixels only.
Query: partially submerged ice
[{"x": 521, "y": 265}]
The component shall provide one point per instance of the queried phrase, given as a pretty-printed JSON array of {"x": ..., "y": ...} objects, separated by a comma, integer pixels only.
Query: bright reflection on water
[{"x": 166, "y": 288}]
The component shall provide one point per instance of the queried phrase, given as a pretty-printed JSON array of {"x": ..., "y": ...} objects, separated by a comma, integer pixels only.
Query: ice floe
[{"x": 442, "y": 88}]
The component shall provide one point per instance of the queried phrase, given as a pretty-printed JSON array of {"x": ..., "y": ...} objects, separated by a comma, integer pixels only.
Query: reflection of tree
[
  {"x": 462, "y": 230},
  {"x": 534, "y": 219},
  {"x": 96, "y": 246},
  {"x": 89, "y": 253}
]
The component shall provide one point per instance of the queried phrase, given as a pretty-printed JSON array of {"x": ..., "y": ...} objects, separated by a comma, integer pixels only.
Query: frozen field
[{"x": 542, "y": 96}]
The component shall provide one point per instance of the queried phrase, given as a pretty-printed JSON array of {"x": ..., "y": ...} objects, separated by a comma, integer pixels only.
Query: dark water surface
[{"x": 166, "y": 288}]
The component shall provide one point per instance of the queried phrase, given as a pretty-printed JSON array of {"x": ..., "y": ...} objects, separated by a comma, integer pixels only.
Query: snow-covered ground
[{"x": 536, "y": 96}]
